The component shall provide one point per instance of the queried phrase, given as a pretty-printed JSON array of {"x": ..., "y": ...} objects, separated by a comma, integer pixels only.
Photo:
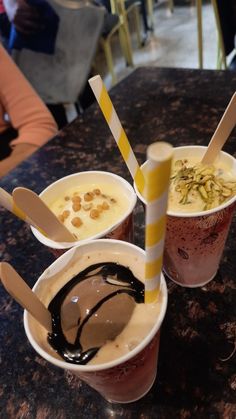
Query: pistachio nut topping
[{"x": 201, "y": 181}]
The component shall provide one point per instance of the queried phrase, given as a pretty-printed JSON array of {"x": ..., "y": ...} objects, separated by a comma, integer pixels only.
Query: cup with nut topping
[
  {"x": 201, "y": 203},
  {"x": 92, "y": 205}
]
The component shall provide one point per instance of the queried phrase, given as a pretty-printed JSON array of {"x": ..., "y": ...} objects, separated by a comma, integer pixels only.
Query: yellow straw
[
  {"x": 117, "y": 131},
  {"x": 157, "y": 175},
  {"x": 7, "y": 201}
]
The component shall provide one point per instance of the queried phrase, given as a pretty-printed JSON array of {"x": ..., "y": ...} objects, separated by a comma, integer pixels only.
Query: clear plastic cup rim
[
  {"x": 118, "y": 361},
  {"x": 200, "y": 213}
]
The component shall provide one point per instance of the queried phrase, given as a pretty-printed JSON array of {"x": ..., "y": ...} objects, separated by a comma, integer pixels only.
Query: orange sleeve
[{"x": 27, "y": 112}]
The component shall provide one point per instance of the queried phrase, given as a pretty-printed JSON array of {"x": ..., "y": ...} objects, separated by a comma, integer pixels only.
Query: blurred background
[
  {"x": 173, "y": 42},
  {"x": 82, "y": 38}
]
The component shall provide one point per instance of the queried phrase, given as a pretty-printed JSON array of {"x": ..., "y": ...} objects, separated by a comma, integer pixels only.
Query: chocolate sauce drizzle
[{"x": 73, "y": 353}]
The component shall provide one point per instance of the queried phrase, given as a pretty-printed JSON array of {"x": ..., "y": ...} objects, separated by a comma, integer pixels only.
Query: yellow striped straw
[
  {"x": 117, "y": 131},
  {"x": 157, "y": 176},
  {"x": 6, "y": 200}
]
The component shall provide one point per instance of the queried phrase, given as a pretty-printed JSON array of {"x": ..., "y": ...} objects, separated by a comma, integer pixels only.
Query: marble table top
[{"x": 197, "y": 362}]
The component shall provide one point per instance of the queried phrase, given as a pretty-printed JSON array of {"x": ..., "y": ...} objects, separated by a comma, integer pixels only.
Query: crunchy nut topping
[
  {"x": 99, "y": 208},
  {"x": 65, "y": 214},
  {"x": 76, "y": 222},
  {"x": 105, "y": 205},
  {"x": 97, "y": 191},
  {"x": 94, "y": 213},
  {"x": 88, "y": 196},
  {"x": 203, "y": 192},
  {"x": 66, "y": 198},
  {"x": 212, "y": 189},
  {"x": 76, "y": 206},
  {"x": 61, "y": 218},
  {"x": 87, "y": 207},
  {"x": 76, "y": 199}
]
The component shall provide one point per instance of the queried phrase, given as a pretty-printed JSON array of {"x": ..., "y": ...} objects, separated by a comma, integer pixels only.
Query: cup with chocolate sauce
[
  {"x": 92, "y": 205},
  {"x": 200, "y": 209},
  {"x": 101, "y": 329}
]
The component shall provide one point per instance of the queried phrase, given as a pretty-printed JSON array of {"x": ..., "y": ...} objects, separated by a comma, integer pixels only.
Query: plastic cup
[
  {"x": 122, "y": 229},
  {"x": 194, "y": 242},
  {"x": 122, "y": 380}
]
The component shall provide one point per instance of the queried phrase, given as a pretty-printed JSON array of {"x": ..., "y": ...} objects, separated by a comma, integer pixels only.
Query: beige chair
[
  {"x": 61, "y": 77},
  {"x": 121, "y": 30},
  {"x": 221, "y": 58},
  {"x": 126, "y": 8},
  {"x": 122, "y": 9}
]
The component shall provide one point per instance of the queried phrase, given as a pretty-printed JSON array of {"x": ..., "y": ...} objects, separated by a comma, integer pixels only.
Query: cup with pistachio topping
[{"x": 201, "y": 203}]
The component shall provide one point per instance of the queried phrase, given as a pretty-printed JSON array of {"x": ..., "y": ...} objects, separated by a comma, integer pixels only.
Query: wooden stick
[
  {"x": 22, "y": 293},
  {"x": 7, "y": 202},
  {"x": 222, "y": 132},
  {"x": 31, "y": 204}
]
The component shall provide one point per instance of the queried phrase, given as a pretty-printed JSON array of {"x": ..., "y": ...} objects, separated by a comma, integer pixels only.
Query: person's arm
[{"x": 28, "y": 114}]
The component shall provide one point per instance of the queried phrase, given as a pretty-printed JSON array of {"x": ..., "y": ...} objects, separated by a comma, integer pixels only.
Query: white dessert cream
[
  {"x": 87, "y": 210},
  {"x": 195, "y": 187}
]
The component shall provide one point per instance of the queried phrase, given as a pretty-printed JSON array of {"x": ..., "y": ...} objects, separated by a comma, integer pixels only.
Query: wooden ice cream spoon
[
  {"x": 22, "y": 293},
  {"x": 222, "y": 132},
  {"x": 7, "y": 202},
  {"x": 31, "y": 204},
  {"x": 17, "y": 287}
]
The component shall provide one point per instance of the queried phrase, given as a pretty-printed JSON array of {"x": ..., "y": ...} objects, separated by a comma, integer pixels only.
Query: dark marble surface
[{"x": 197, "y": 368}]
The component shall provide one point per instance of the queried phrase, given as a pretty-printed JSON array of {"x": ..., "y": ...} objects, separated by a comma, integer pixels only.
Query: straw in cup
[
  {"x": 117, "y": 130},
  {"x": 157, "y": 178}
]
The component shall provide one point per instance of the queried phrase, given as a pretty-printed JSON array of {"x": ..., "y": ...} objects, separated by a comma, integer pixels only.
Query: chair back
[{"x": 59, "y": 78}]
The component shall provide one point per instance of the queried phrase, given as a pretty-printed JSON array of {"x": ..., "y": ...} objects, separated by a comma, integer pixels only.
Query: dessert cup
[
  {"x": 121, "y": 380},
  {"x": 122, "y": 229},
  {"x": 194, "y": 242}
]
